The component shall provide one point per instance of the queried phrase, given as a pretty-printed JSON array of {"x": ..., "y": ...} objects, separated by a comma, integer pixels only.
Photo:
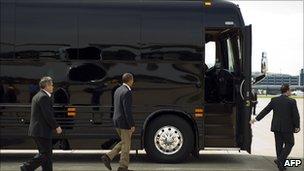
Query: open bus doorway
[
  {"x": 223, "y": 59},
  {"x": 223, "y": 66}
]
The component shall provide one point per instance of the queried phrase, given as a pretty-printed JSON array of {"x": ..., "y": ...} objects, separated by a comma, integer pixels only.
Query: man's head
[
  {"x": 46, "y": 83},
  {"x": 285, "y": 89},
  {"x": 127, "y": 78}
]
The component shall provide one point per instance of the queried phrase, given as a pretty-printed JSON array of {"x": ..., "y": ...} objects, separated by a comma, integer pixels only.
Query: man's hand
[
  {"x": 252, "y": 121},
  {"x": 132, "y": 129},
  {"x": 59, "y": 130},
  {"x": 297, "y": 130}
]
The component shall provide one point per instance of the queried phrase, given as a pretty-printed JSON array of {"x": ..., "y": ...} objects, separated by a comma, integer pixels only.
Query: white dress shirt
[
  {"x": 127, "y": 86},
  {"x": 49, "y": 94}
]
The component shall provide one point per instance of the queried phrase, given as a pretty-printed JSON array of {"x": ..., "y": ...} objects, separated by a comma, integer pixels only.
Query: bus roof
[
  {"x": 223, "y": 14},
  {"x": 219, "y": 13}
]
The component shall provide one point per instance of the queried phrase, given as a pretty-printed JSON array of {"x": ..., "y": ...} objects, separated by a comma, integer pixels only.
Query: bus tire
[{"x": 169, "y": 139}]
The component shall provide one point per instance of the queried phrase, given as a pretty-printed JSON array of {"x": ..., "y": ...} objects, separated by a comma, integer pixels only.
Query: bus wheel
[{"x": 169, "y": 139}]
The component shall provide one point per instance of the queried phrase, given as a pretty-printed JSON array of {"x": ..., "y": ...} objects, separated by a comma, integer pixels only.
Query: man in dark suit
[
  {"x": 123, "y": 122},
  {"x": 285, "y": 122},
  {"x": 41, "y": 125}
]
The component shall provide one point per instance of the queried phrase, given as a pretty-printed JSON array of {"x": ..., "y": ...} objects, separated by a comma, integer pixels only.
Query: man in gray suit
[
  {"x": 285, "y": 122},
  {"x": 41, "y": 125},
  {"x": 123, "y": 122}
]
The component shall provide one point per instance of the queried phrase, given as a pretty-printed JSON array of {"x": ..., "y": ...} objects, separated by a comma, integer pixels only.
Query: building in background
[
  {"x": 279, "y": 79},
  {"x": 273, "y": 81},
  {"x": 301, "y": 81}
]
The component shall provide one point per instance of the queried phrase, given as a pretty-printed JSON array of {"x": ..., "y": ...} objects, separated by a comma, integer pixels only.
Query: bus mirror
[{"x": 264, "y": 63}]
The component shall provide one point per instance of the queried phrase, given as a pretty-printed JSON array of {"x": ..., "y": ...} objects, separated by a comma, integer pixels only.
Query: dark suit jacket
[
  {"x": 285, "y": 114},
  {"x": 122, "y": 117},
  {"x": 42, "y": 116}
]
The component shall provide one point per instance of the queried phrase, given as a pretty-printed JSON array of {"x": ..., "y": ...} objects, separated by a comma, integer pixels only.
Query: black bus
[{"x": 191, "y": 61}]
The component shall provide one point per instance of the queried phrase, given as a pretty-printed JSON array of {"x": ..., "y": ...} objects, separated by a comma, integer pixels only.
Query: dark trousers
[
  {"x": 284, "y": 143},
  {"x": 44, "y": 157}
]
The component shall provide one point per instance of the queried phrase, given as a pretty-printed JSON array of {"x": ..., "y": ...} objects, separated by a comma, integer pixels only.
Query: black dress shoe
[
  {"x": 123, "y": 169},
  {"x": 24, "y": 168},
  {"x": 106, "y": 161},
  {"x": 280, "y": 166}
]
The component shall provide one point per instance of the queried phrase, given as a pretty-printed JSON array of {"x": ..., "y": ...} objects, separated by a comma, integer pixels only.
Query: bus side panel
[{"x": 86, "y": 56}]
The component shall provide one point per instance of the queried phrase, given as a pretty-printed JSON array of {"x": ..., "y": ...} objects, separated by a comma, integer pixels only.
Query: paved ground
[
  {"x": 207, "y": 161},
  {"x": 263, "y": 139},
  {"x": 263, "y": 152}
]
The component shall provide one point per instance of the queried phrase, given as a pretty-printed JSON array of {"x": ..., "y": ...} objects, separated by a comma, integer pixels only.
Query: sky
[{"x": 277, "y": 29}]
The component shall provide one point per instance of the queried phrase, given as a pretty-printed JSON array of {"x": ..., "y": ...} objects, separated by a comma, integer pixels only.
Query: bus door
[
  {"x": 245, "y": 132},
  {"x": 227, "y": 77}
]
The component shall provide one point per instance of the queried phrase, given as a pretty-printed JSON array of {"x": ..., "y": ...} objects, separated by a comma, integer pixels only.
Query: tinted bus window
[
  {"x": 109, "y": 30},
  {"x": 172, "y": 31},
  {"x": 7, "y": 22},
  {"x": 45, "y": 29}
]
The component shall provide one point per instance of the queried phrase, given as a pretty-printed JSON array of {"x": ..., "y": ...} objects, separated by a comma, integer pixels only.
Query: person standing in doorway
[
  {"x": 123, "y": 122},
  {"x": 285, "y": 122},
  {"x": 41, "y": 125}
]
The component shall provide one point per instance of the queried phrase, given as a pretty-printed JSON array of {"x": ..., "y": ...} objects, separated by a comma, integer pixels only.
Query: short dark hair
[
  {"x": 126, "y": 77},
  {"x": 44, "y": 81},
  {"x": 284, "y": 88}
]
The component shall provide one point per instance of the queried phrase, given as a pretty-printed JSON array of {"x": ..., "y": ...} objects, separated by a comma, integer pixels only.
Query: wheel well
[{"x": 188, "y": 118}]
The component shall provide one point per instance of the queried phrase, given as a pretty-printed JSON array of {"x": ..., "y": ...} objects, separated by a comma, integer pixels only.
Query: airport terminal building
[
  {"x": 279, "y": 79},
  {"x": 301, "y": 77}
]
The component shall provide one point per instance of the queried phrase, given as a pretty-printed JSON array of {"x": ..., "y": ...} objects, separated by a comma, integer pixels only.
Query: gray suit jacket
[
  {"x": 42, "y": 116},
  {"x": 285, "y": 114},
  {"x": 122, "y": 117}
]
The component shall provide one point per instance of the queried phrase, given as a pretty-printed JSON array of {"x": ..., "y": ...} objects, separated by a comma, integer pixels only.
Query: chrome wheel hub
[{"x": 168, "y": 140}]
